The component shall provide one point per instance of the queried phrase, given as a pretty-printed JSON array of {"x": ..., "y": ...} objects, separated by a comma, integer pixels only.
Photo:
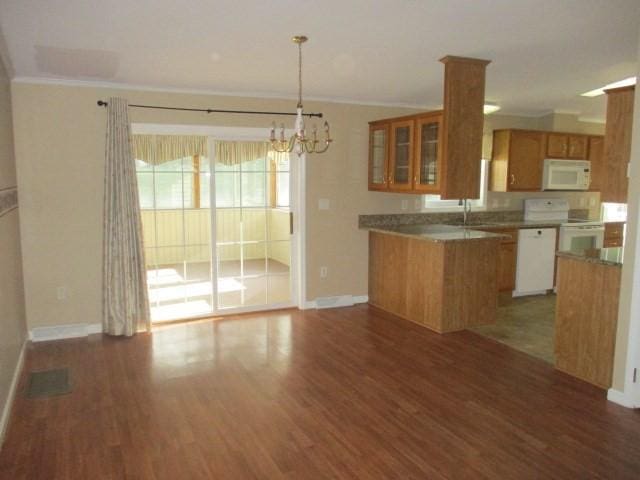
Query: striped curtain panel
[{"x": 125, "y": 306}]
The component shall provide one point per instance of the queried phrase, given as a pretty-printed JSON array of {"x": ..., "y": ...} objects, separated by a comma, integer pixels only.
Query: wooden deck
[{"x": 343, "y": 393}]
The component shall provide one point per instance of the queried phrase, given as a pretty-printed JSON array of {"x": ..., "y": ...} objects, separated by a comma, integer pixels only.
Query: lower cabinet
[
  {"x": 507, "y": 258},
  {"x": 613, "y": 234}
]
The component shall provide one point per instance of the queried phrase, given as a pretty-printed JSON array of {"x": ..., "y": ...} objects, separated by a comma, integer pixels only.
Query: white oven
[
  {"x": 577, "y": 238},
  {"x": 566, "y": 174}
]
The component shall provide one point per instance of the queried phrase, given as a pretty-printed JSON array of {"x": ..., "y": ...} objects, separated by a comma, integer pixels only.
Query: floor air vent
[{"x": 49, "y": 383}]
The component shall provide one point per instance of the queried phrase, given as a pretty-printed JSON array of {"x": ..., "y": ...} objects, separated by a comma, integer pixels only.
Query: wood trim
[
  {"x": 586, "y": 319},
  {"x": 462, "y": 124}
]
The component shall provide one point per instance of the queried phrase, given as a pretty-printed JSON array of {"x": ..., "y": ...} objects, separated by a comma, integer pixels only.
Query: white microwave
[{"x": 566, "y": 174}]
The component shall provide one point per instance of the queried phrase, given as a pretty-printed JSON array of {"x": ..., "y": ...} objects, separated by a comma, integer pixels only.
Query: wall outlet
[
  {"x": 61, "y": 293},
  {"x": 324, "y": 271},
  {"x": 404, "y": 204},
  {"x": 323, "y": 204}
]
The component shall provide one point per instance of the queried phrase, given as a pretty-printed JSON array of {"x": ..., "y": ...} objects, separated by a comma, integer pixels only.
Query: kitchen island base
[{"x": 443, "y": 285}]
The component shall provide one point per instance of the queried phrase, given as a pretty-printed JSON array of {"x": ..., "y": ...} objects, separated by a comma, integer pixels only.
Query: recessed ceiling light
[
  {"x": 600, "y": 91},
  {"x": 490, "y": 108}
]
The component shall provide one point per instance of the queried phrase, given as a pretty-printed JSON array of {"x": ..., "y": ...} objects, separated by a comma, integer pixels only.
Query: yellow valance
[
  {"x": 233, "y": 153},
  {"x": 158, "y": 149}
]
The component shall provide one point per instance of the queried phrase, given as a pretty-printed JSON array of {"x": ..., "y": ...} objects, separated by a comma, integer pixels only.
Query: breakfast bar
[{"x": 440, "y": 276}]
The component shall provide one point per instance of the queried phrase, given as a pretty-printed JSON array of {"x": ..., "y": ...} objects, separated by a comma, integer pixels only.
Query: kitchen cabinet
[
  {"x": 378, "y": 156},
  {"x": 428, "y": 153},
  {"x": 517, "y": 159},
  {"x": 617, "y": 144},
  {"x": 434, "y": 152},
  {"x": 401, "y": 155},
  {"x": 507, "y": 257},
  {"x": 596, "y": 157},
  {"x": 405, "y": 153},
  {"x": 613, "y": 234},
  {"x": 567, "y": 145}
]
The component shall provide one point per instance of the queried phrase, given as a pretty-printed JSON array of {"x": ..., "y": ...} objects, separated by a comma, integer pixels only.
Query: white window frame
[{"x": 432, "y": 203}]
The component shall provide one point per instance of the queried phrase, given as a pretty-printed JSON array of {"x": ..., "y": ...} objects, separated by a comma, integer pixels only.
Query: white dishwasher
[{"x": 536, "y": 258}]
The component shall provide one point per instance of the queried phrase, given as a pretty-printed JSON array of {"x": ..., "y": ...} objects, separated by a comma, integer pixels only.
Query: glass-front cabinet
[
  {"x": 378, "y": 157},
  {"x": 428, "y": 154},
  {"x": 401, "y": 158},
  {"x": 405, "y": 153}
]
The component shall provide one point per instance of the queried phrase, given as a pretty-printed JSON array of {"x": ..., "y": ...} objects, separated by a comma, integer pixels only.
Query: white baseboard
[
  {"x": 6, "y": 412},
  {"x": 336, "y": 301},
  {"x": 616, "y": 396},
  {"x": 59, "y": 332}
]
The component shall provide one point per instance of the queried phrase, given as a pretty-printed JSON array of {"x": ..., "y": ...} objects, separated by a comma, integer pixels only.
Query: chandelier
[{"x": 299, "y": 141}]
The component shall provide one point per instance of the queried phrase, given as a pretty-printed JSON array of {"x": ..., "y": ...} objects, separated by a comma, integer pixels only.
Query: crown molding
[{"x": 66, "y": 82}]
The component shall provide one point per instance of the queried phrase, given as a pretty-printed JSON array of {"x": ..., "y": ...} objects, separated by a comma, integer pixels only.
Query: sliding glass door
[
  {"x": 233, "y": 257},
  {"x": 252, "y": 227}
]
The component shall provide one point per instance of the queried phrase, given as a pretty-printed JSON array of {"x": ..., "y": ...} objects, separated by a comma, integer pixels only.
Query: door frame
[{"x": 297, "y": 180}]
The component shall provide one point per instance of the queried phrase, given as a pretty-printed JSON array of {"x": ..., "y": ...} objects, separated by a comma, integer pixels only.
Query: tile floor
[{"x": 526, "y": 324}]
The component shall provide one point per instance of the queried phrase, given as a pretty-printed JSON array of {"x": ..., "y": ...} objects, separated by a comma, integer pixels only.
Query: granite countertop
[
  {"x": 605, "y": 256},
  {"x": 437, "y": 232}
]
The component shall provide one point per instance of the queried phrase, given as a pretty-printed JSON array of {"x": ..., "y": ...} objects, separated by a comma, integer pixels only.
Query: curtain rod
[{"x": 102, "y": 103}]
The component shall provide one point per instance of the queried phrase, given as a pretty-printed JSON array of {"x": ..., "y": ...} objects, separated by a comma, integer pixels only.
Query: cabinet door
[
  {"x": 557, "y": 145},
  {"x": 507, "y": 267},
  {"x": 578, "y": 147},
  {"x": 401, "y": 159},
  {"x": 378, "y": 157},
  {"x": 427, "y": 167},
  {"x": 596, "y": 157},
  {"x": 526, "y": 155}
]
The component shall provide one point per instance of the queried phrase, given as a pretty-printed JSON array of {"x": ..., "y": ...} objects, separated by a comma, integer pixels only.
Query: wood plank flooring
[{"x": 341, "y": 394}]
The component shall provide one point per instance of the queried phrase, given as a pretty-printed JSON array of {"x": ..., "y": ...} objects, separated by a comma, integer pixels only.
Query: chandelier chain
[{"x": 299, "y": 75}]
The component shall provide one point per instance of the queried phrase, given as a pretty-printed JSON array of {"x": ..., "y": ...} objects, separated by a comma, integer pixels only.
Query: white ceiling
[{"x": 544, "y": 52}]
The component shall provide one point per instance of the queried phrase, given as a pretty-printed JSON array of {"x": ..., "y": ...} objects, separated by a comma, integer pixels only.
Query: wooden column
[
  {"x": 617, "y": 144},
  {"x": 463, "y": 122}
]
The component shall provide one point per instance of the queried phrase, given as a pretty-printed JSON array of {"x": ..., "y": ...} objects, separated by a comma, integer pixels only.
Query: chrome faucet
[{"x": 466, "y": 209}]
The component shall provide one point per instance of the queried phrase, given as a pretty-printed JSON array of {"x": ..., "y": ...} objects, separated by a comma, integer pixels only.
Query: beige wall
[
  {"x": 631, "y": 267},
  {"x": 12, "y": 316},
  {"x": 60, "y": 150},
  {"x": 60, "y": 155}
]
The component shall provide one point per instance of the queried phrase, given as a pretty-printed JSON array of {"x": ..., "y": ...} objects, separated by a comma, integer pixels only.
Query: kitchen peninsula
[
  {"x": 587, "y": 313},
  {"x": 440, "y": 276}
]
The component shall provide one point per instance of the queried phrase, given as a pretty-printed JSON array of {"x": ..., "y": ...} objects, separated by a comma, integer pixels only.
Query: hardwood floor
[{"x": 343, "y": 393}]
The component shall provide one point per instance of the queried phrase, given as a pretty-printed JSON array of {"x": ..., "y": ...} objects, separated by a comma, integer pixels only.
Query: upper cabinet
[
  {"x": 617, "y": 144},
  {"x": 567, "y": 145},
  {"x": 427, "y": 166},
  {"x": 378, "y": 156},
  {"x": 434, "y": 152},
  {"x": 516, "y": 164},
  {"x": 401, "y": 157},
  {"x": 405, "y": 153},
  {"x": 518, "y": 157}
]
